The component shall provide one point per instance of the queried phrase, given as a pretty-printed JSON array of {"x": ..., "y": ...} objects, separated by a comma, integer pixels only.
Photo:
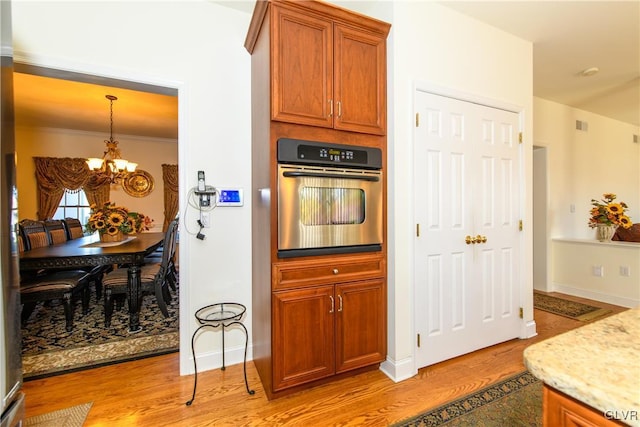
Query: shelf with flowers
[
  {"x": 607, "y": 216},
  {"x": 114, "y": 222}
]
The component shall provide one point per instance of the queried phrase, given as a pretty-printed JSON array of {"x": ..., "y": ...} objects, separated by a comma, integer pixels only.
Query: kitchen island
[{"x": 591, "y": 374}]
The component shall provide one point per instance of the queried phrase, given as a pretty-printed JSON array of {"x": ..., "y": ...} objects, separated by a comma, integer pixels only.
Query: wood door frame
[{"x": 528, "y": 327}]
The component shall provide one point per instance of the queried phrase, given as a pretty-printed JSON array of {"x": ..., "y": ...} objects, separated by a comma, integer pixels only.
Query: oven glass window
[{"x": 331, "y": 206}]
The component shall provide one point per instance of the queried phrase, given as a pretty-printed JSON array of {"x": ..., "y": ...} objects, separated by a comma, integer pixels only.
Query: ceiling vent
[{"x": 583, "y": 126}]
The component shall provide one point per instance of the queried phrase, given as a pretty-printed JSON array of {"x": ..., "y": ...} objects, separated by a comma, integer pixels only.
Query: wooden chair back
[
  {"x": 74, "y": 228},
  {"x": 169, "y": 245},
  {"x": 34, "y": 234},
  {"x": 56, "y": 231},
  {"x": 21, "y": 246}
]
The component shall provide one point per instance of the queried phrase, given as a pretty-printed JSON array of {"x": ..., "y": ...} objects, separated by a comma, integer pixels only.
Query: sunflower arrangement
[
  {"x": 608, "y": 212},
  {"x": 112, "y": 219}
]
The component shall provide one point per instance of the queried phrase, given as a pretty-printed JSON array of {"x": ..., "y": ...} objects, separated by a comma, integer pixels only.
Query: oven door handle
[{"x": 330, "y": 175}]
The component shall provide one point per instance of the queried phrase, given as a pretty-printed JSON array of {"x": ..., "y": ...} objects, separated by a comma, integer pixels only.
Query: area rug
[
  {"x": 515, "y": 401},
  {"x": 48, "y": 349},
  {"x": 69, "y": 417},
  {"x": 571, "y": 309}
]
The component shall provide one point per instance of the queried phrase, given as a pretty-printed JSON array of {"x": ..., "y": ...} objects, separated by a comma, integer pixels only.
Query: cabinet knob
[{"x": 335, "y": 271}]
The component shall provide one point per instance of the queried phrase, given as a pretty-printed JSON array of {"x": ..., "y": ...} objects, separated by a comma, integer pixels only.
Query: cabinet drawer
[{"x": 317, "y": 272}]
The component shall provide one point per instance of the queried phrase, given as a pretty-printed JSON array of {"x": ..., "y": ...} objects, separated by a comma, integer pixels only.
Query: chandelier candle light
[
  {"x": 111, "y": 164},
  {"x": 606, "y": 216}
]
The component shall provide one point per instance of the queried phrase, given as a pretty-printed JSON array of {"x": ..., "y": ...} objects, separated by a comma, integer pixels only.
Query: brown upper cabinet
[{"x": 325, "y": 71}]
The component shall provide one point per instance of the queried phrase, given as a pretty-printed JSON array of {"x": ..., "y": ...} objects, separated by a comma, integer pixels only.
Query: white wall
[
  {"x": 196, "y": 47},
  {"x": 149, "y": 153},
  {"x": 584, "y": 165},
  {"x": 618, "y": 281}
]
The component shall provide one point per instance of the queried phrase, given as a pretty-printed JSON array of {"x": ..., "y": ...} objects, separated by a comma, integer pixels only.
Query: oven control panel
[
  {"x": 333, "y": 155},
  {"x": 320, "y": 153}
]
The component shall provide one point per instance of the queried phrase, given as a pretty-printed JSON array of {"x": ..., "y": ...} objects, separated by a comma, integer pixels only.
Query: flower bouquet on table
[
  {"x": 607, "y": 215},
  {"x": 114, "y": 222}
]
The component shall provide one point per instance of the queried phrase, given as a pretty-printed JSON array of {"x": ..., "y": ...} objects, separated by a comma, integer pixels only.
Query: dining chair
[
  {"x": 153, "y": 279},
  {"x": 170, "y": 243},
  {"x": 33, "y": 233},
  {"x": 74, "y": 228},
  {"x": 56, "y": 231},
  {"x": 20, "y": 241},
  {"x": 64, "y": 285},
  {"x": 44, "y": 286},
  {"x": 172, "y": 271}
]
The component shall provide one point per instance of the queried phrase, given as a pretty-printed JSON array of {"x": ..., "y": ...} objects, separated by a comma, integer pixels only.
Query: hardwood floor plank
[{"x": 150, "y": 392}]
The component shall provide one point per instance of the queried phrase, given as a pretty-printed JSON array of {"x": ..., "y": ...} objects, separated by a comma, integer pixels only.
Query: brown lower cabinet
[
  {"x": 560, "y": 410},
  {"x": 322, "y": 331}
]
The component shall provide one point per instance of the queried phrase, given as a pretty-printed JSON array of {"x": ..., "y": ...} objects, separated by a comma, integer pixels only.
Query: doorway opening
[
  {"x": 541, "y": 280},
  {"x": 63, "y": 114}
]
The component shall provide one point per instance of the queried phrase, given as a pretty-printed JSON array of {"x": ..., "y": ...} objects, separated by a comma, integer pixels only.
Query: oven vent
[{"x": 582, "y": 125}]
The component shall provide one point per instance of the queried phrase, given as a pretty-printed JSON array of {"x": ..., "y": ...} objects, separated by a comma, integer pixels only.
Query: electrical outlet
[
  {"x": 204, "y": 217},
  {"x": 625, "y": 271},
  {"x": 598, "y": 271}
]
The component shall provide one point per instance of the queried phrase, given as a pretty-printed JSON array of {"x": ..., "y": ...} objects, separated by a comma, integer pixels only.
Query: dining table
[{"x": 89, "y": 251}]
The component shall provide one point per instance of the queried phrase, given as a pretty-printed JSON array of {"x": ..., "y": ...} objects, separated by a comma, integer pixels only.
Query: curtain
[
  {"x": 170, "y": 179},
  {"x": 54, "y": 175}
]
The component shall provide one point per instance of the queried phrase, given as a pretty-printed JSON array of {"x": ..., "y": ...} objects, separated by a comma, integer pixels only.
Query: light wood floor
[{"x": 150, "y": 392}]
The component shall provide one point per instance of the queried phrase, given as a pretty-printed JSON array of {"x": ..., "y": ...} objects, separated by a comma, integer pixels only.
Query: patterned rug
[
  {"x": 515, "y": 401},
  {"x": 571, "y": 309},
  {"x": 48, "y": 349},
  {"x": 69, "y": 417}
]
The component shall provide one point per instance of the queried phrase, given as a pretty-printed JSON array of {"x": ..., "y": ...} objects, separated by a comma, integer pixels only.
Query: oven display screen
[{"x": 332, "y": 155}]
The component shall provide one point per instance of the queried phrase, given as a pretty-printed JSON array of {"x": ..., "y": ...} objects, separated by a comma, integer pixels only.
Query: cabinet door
[
  {"x": 360, "y": 81},
  {"x": 302, "y": 68},
  {"x": 360, "y": 324},
  {"x": 558, "y": 409},
  {"x": 303, "y": 336}
]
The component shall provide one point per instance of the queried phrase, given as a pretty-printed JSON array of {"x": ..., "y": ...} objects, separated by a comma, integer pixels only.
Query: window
[{"x": 73, "y": 204}]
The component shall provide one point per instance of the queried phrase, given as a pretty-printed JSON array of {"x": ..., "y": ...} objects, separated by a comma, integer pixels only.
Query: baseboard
[
  {"x": 596, "y": 296},
  {"x": 399, "y": 370},
  {"x": 213, "y": 360},
  {"x": 529, "y": 330}
]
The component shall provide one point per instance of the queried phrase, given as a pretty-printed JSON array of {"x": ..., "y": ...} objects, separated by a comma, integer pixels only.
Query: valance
[{"x": 54, "y": 175}]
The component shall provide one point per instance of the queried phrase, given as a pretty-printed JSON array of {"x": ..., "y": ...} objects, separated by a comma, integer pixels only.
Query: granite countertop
[{"x": 597, "y": 364}]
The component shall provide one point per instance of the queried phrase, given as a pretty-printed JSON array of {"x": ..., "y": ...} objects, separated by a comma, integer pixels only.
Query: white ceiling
[{"x": 568, "y": 37}]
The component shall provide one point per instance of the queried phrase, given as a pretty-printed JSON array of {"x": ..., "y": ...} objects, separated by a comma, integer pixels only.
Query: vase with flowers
[
  {"x": 607, "y": 216},
  {"x": 114, "y": 222}
]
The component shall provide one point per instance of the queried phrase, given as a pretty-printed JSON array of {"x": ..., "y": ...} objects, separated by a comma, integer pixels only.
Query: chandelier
[{"x": 111, "y": 164}]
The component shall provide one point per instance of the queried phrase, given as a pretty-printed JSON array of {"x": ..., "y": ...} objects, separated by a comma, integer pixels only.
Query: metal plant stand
[{"x": 224, "y": 314}]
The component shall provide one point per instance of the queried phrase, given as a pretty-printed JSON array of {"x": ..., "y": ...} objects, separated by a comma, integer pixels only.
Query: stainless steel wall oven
[{"x": 330, "y": 198}]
